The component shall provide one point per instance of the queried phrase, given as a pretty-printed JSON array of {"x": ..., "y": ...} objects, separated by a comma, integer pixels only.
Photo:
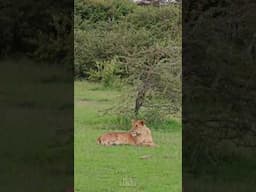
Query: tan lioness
[
  {"x": 116, "y": 138},
  {"x": 142, "y": 134},
  {"x": 119, "y": 138},
  {"x": 138, "y": 135}
]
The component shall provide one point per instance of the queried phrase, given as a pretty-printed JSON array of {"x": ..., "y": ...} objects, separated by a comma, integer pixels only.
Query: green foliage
[
  {"x": 163, "y": 22},
  {"x": 106, "y": 71},
  {"x": 102, "y": 10},
  {"x": 106, "y": 29},
  {"x": 117, "y": 41}
]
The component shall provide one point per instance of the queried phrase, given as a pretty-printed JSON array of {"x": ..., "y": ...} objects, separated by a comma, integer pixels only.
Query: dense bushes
[
  {"x": 106, "y": 29},
  {"x": 116, "y": 40},
  {"x": 102, "y": 10}
]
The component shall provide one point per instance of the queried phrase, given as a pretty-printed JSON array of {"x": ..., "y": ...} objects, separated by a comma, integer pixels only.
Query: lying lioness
[{"x": 138, "y": 135}]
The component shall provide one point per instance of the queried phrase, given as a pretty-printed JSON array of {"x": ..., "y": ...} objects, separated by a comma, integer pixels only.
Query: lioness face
[
  {"x": 141, "y": 133},
  {"x": 137, "y": 128}
]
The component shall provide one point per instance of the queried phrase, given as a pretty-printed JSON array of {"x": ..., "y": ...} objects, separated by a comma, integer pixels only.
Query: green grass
[{"x": 120, "y": 168}]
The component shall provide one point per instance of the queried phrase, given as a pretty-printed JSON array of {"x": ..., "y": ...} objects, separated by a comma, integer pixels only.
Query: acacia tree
[{"x": 155, "y": 75}]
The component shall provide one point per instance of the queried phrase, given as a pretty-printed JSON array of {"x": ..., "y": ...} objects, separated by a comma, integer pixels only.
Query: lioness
[{"x": 138, "y": 135}]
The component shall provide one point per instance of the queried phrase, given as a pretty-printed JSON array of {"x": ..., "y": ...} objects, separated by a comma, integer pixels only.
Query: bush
[
  {"x": 105, "y": 29},
  {"x": 106, "y": 72},
  {"x": 103, "y": 10}
]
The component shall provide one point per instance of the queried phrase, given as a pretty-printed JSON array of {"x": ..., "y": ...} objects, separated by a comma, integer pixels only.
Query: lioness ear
[{"x": 142, "y": 122}]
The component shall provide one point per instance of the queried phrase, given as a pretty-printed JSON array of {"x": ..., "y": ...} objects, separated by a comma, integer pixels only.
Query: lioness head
[{"x": 137, "y": 127}]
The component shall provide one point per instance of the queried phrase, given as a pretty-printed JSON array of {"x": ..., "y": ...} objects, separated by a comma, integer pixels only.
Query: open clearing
[{"x": 120, "y": 168}]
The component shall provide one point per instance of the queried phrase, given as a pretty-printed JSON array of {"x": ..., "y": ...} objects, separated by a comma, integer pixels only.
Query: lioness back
[{"x": 116, "y": 138}]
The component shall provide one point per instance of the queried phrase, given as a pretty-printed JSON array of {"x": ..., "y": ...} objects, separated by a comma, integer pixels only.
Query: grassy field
[{"x": 120, "y": 168}]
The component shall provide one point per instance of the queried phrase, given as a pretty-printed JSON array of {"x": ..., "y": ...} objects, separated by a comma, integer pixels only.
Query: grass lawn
[{"x": 120, "y": 168}]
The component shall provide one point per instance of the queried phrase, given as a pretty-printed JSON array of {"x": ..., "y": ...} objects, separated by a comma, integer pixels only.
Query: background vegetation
[{"x": 121, "y": 44}]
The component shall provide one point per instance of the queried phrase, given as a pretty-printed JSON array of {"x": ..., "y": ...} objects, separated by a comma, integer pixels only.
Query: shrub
[
  {"x": 103, "y": 10},
  {"x": 106, "y": 72},
  {"x": 134, "y": 29}
]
